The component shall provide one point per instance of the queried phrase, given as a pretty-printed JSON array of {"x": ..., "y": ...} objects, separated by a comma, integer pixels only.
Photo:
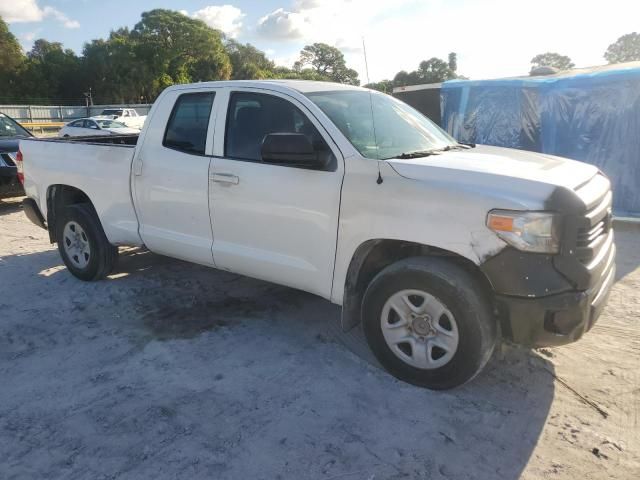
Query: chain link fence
[{"x": 62, "y": 113}]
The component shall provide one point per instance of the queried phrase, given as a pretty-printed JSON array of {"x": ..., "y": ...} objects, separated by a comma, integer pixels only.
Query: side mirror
[{"x": 290, "y": 149}]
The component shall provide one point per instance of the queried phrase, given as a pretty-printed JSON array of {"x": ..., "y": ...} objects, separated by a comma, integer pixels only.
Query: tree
[
  {"x": 11, "y": 58},
  {"x": 50, "y": 72},
  {"x": 551, "y": 59},
  {"x": 453, "y": 61},
  {"x": 248, "y": 62},
  {"x": 178, "y": 49},
  {"x": 327, "y": 61},
  {"x": 10, "y": 52},
  {"x": 625, "y": 49},
  {"x": 435, "y": 70},
  {"x": 384, "y": 86},
  {"x": 113, "y": 70}
]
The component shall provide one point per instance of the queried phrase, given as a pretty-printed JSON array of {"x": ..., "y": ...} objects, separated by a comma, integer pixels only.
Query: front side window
[
  {"x": 253, "y": 116},
  {"x": 380, "y": 126},
  {"x": 90, "y": 124},
  {"x": 189, "y": 122}
]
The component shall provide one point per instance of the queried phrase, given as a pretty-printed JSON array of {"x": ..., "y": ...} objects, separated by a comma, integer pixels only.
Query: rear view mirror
[{"x": 291, "y": 149}]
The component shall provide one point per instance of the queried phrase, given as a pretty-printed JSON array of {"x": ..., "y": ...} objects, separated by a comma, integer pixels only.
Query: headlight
[{"x": 526, "y": 231}]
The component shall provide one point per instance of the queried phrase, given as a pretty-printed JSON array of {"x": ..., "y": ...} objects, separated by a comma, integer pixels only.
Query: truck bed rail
[{"x": 128, "y": 140}]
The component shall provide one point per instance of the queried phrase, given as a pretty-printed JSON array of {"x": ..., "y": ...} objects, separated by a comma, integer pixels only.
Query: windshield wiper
[
  {"x": 416, "y": 154},
  {"x": 459, "y": 146},
  {"x": 433, "y": 151}
]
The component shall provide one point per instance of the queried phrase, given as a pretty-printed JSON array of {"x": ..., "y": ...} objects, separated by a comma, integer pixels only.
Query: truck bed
[{"x": 100, "y": 167}]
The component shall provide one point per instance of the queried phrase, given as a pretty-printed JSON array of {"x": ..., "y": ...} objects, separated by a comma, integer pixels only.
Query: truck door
[
  {"x": 171, "y": 180},
  {"x": 274, "y": 222}
]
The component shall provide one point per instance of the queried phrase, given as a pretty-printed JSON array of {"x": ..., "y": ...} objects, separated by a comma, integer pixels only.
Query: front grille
[
  {"x": 593, "y": 235},
  {"x": 7, "y": 160},
  {"x": 587, "y": 249}
]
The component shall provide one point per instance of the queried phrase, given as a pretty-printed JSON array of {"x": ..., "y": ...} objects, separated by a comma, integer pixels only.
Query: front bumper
[{"x": 556, "y": 319}]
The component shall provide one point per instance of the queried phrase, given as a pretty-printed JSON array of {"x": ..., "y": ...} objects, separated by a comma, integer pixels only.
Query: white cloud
[
  {"x": 225, "y": 18},
  {"x": 29, "y": 36},
  {"x": 493, "y": 38},
  {"x": 16, "y": 11},
  {"x": 20, "y": 11},
  {"x": 61, "y": 17},
  {"x": 282, "y": 25}
]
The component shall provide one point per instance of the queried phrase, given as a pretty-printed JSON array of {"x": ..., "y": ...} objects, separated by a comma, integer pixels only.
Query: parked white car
[
  {"x": 128, "y": 116},
  {"x": 85, "y": 127},
  {"x": 440, "y": 249}
]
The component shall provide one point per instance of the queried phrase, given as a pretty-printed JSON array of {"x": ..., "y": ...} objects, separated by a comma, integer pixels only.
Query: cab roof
[{"x": 302, "y": 86}]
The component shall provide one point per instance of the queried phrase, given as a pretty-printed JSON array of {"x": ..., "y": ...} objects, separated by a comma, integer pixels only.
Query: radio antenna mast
[{"x": 366, "y": 64}]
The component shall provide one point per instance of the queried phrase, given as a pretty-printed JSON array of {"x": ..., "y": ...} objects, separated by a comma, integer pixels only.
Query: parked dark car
[{"x": 10, "y": 134}]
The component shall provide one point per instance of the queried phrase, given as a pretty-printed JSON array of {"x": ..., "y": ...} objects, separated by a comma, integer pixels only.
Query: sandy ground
[{"x": 171, "y": 370}]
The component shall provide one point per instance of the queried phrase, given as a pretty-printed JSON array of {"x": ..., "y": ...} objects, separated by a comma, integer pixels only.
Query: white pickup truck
[
  {"x": 127, "y": 116},
  {"x": 439, "y": 249}
]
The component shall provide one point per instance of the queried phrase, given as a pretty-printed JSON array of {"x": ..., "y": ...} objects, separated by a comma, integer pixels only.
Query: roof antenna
[
  {"x": 373, "y": 122},
  {"x": 366, "y": 64}
]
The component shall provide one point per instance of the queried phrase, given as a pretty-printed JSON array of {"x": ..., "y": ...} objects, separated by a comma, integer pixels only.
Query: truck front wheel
[
  {"x": 428, "y": 323},
  {"x": 82, "y": 244}
]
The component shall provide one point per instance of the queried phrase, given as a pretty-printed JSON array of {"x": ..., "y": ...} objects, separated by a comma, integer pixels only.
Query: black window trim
[
  {"x": 173, "y": 110},
  {"x": 332, "y": 167}
]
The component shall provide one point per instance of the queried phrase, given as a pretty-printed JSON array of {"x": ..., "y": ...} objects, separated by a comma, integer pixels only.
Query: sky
[{"x": 493, "y": 38}]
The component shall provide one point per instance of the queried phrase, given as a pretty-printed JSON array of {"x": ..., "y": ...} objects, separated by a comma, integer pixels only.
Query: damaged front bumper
[{"x": 556, "y": 319}]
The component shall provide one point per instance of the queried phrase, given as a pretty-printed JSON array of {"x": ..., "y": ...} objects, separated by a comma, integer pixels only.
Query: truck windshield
[
  {"x": 10, "y": 128},
  {"x": 380, "y": 126}
]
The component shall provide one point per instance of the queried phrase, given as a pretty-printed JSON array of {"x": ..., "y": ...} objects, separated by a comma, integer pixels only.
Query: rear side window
[
  {"x": 188, "y": 123},
  {"x": 252, "y": 116}
]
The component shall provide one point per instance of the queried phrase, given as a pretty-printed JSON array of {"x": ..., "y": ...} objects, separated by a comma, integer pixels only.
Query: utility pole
[{"x": 88, "y": 100}]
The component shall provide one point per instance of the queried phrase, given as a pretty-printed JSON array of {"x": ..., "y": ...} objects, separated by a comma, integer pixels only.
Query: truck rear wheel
[
  {"x": 428, "y": 323},
  {"x": 82, "y": 244}
]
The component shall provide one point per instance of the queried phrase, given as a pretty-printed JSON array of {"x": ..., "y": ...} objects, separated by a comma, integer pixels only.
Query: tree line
[
  {"x": 166, "y": 48},
  {"x": 134, "y": 65},
  {"x": 436, "y": 70}
]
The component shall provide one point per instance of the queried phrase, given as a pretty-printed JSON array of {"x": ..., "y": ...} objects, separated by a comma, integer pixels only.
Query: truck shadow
[
  {"x": 313, "y": 391},
  {"x": 10, "y": 205},
  {"x": 628, "y": 244}
]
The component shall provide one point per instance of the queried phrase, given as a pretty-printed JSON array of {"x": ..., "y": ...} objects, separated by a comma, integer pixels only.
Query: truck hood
[{"x": 507, "y": 162}]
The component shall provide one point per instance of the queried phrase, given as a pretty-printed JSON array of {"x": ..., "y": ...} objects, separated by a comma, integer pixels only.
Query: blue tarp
[{"x": 592, "y": 117}]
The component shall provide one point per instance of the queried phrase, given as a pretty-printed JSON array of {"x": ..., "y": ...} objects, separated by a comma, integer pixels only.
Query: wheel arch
[
  {"x": 372, "y": 256},
  {"x": 58, "y": 197}
]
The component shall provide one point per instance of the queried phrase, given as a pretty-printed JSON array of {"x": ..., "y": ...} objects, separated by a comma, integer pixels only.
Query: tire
[
  {"x": 82, "y": 244},
  {"x": 443, "y": 350}
]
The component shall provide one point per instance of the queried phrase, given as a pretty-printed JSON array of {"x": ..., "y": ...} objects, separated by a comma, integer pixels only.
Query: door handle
[
  {"x": 137, "y": 166},
  {"x": 227, "y": 178}
]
